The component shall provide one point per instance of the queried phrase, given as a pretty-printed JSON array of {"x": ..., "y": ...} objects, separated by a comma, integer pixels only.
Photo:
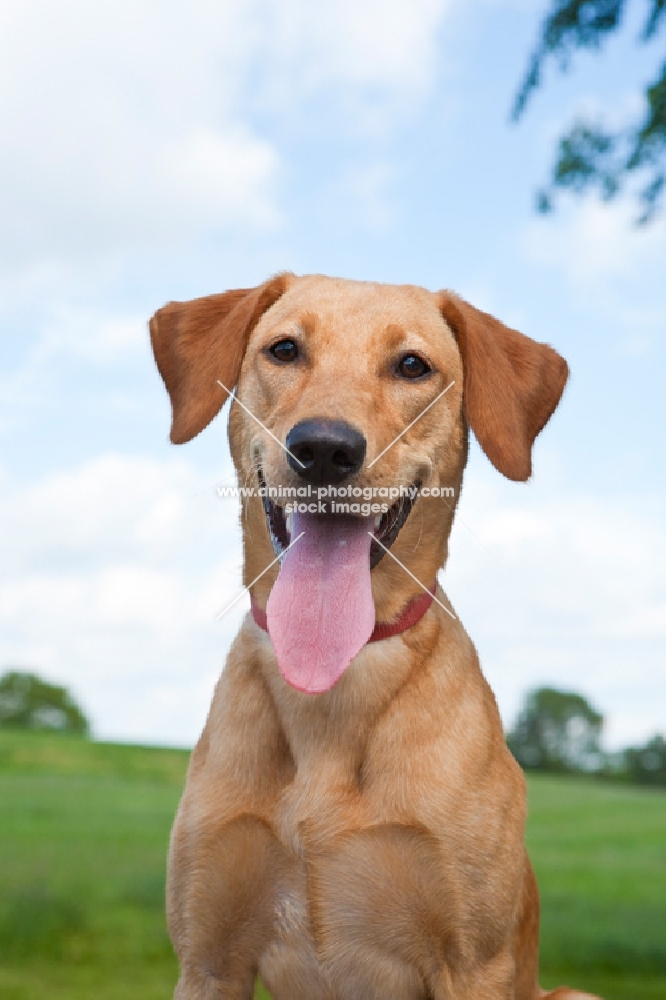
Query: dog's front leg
[
  {"x": 221, "y": 906},
  {"x": 202, "y": 985}
]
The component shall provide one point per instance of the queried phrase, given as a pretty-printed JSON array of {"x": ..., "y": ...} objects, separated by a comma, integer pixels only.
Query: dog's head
[{"x": 353, "y": 402}]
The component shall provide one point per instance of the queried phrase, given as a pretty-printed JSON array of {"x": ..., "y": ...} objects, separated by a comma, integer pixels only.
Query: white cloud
[
  {"x": 594, "y": 242},
  {"x": 113, "y": 573},
  {"x": 95, "y": 337},
  {"x": 387, "y": 47},
  {"x": 224, "y": 174},
  {"x": 566, "y": 589},
  {"x": 129, "y": 124}
]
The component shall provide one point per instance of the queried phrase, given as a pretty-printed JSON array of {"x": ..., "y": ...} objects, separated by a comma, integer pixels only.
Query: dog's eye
[
  {"x": 412, "y": 366},
  {"x": 284, "y": 350}
]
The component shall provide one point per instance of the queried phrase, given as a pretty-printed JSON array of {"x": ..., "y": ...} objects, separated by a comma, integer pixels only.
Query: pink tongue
[{"x": 320, "y": 611}]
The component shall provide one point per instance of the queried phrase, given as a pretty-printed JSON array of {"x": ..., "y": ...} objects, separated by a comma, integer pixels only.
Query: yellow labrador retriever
[{"x": 352, "y": 825}]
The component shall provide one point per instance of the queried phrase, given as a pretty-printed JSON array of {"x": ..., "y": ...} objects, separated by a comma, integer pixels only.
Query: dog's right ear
[{"x": 200, "y": 342}]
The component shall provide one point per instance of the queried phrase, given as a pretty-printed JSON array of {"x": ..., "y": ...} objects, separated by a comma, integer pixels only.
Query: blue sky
[{"x": 152, "y": 151}]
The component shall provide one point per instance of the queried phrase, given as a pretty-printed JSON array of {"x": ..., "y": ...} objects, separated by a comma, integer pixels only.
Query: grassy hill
[{"x": 83, "y": 834}]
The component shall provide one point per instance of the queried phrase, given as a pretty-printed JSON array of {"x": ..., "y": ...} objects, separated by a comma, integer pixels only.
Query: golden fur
[{"x": 365, "y": 843}]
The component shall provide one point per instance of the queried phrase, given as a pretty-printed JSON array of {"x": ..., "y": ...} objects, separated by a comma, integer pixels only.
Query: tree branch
[
  {"x": 589, "y": 155},
  {"x": 572, "y": 25}
]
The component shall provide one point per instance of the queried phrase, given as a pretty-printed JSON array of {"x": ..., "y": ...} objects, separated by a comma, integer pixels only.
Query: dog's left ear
[
  {"x": 512, "y": 384},
  {"x": 200, "y": 342}
]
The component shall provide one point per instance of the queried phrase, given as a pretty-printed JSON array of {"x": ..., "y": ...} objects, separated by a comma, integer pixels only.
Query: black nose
[{"x": 325, "y": 451}]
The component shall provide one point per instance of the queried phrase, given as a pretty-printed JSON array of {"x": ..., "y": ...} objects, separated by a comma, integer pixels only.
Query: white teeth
[{"x": 378, "y": 520}]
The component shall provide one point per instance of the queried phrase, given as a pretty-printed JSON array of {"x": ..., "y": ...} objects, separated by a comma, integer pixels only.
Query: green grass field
[{"x": 83, "y": 835}]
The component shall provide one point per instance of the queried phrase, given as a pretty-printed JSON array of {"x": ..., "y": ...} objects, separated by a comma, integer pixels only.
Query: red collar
[{"x": 410, "y": 615}]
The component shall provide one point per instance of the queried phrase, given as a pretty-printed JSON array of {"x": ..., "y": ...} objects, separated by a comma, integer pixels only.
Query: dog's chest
[
  {"x": 353, "y": 901},
  {"x": 333, "y": 939},
  {"x": 314, "y": 809}
]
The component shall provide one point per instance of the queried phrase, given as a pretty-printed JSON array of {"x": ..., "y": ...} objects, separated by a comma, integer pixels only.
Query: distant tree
[
  {"x": 590, "y": 154},
  {"x": 26, "y": 702},
  {"x": 557, "y": 731},
  {"x": 647, "y": 765}
]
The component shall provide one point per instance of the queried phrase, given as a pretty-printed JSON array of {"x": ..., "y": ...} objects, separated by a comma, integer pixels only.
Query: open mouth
[
  {"x": 386, "y": 526},
  {"x": 320, "y": 611}
]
